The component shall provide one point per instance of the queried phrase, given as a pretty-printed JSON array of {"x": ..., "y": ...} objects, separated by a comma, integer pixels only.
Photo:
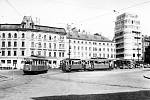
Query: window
[
  {"x": 44, "y": 53},
  {"x": 39, "y": 52},
  {"x": 3, "y": 53},
  {"x": 59, "y": 54},
  {"x": 85, "y": 48},
  {"x": 54, "y": 37},
  {"x": 3, "y": 44},
  {"x": 103, "y": 49},
  {"x": 108, "y": 49},
  {"x": 23, "y": 35},
  {"x": 9, "y": 44},
  {"x": 23, "y": 44},
  {"x": 50, "y": 38},
  {"x": 3, "y": 61},
  {"x": 54, "y": 45},
  {"x": 8, "y": 61},
  {"x": 50, "y": 54},
  {"x": 99, "y": 49},
  {"x": 54, "y": 54},
  {"x": 15, "y": 35},
  {"x": 50, "y": 45},
  {"x": 44, "y": 45},
  {"x": 78, "y": 48},
  {"x": 82, "y": 48},
  {"x": 62, "y": 54},
  {"x": 15, "y": 53},
  {"x": 15, "y": 44},
  {"x": 9, "y": 53},
  {"x": 3, "y": 35},
  {"x": 22, "y": 53},
  {"x": 44, "y": 37},
  {"x": 32, "y": 44},
  {"x": 32, "y": 35},
  {"x": 9, "y": 35}
]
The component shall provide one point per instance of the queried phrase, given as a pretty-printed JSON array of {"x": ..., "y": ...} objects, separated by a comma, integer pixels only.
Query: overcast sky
[{"x": 95, "y": 16}]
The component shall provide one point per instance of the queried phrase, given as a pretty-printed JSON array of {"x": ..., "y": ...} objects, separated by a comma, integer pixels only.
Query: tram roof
[{"x": 37, "y": 57}]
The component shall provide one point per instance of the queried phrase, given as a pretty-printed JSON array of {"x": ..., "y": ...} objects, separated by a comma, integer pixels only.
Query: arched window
[
  {"x": 15, "y": 35},
  {"x": 9, "y": 35},
  {"x": 3, "y": 35},
  {"x": 23, "y": 35}
]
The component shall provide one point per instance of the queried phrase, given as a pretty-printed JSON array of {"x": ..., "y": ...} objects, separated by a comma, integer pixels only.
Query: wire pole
[{"x": 68, "y": 28}]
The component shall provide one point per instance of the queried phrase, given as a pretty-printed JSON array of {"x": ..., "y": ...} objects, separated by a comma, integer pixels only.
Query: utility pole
[{"x": 68, "y": 28}]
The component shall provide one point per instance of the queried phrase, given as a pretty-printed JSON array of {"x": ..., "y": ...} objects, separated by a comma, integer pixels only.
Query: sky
[{"x": 93, "y": 16}]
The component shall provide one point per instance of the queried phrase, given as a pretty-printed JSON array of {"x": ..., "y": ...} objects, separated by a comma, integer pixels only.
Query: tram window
[
  {"x": 54, "y": 62},
  {"x": 27, "y": 62},
  {"x": 50, "y": 62}
]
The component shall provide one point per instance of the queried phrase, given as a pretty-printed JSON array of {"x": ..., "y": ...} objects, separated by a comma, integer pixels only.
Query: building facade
[
  {"x": 19, "y": 41},
  {"x": 86, "y": 46},
  {"x": 128, "y": 37},
  {"x": 146, "y": 48}
]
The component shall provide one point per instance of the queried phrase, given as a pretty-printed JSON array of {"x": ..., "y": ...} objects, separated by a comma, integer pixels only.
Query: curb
[{"x": 146, "y": 77}]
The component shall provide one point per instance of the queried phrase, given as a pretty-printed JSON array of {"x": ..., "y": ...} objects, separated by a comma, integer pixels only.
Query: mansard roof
[
  {"x": 35, "y": 28},
  {"x": 27, "y": 24}
]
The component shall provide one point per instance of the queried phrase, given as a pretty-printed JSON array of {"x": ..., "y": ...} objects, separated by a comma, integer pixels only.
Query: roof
[
  {"x": 35, "y": 28},
  {"x": 88, "y": 37}
]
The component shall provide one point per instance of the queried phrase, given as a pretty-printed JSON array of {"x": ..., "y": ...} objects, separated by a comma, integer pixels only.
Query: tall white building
[
  {"x": 18, "y": 41},
  {"x": 85, "y": 46},
  {"x": 128, "y": 37}
]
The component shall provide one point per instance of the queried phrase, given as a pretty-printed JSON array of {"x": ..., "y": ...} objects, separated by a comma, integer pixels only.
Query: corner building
[
  {"x": 19, "y": 41},
  {"x": 86, "y": 46},
  {"x": 128, "y": 37}
]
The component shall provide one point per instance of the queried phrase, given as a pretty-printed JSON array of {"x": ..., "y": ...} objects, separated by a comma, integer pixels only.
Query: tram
[
  {"x": 98, "y": 64},
  {"x": 35, "y": 65},
  {"x": 67, "y": 65}
]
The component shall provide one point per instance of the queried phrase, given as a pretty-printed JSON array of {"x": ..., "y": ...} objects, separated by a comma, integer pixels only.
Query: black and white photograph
[{"x": 74, "y": 50}]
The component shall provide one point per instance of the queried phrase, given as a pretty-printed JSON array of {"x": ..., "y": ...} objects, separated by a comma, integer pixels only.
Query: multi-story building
[
  {"x": 85, "y": 46},
  {"x": 128, "y": 37},
  {"x": 146, "y": 48},
  {"x": 19, "y": 41}
]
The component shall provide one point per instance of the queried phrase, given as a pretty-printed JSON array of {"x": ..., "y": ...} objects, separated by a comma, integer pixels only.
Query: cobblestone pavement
[{"x": 80, "y": 85}]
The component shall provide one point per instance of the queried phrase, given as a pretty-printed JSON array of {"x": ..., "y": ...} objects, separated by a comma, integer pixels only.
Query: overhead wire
[
  {"x": 114, "y": 11},
  {"x": 11, "y": 5}
]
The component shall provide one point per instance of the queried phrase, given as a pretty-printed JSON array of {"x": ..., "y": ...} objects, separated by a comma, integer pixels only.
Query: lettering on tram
[
  {"x": 35, "y": 64},
  {"x": 67, "y": 65}
]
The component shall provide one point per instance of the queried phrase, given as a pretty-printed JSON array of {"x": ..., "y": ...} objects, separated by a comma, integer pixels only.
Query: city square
[{"x": 126, "y": 84}]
